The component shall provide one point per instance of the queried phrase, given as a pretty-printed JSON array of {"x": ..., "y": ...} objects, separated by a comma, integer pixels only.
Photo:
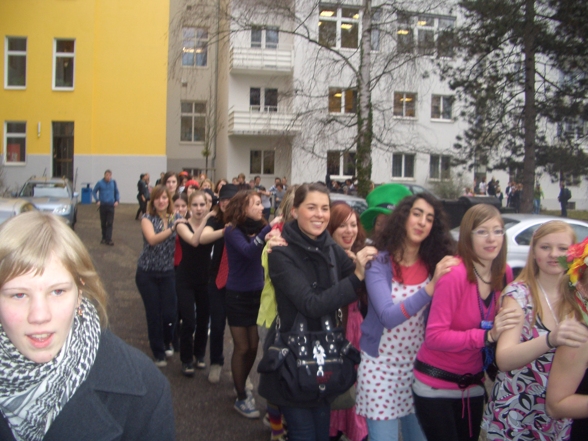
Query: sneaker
[
  {"x": 188, "y": 369},
  {"x": 215, "y": 373},
  {"x": 169, "y": 352},
  {"x": 200, "y": 363},
  {"x": 247, "y": 408},
  {"x": 248, "y": 384},
  {"x": 109, "y": 242},
  {"x": 161, "y": 362}
]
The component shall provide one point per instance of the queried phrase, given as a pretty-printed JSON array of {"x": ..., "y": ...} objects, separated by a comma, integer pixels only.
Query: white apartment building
[{"x": 267, "y": 100}]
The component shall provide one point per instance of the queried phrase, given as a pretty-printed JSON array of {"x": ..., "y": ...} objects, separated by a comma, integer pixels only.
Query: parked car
[
  {"x": 10, "y": 207},
  {"x": 357, "y": 203},
  {"x": 519, "y": 230},
  {"x": 53, "y": 195}
]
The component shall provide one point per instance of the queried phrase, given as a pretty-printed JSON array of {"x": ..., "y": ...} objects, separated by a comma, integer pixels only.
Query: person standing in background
[
  {"x": 537, "y": 196},
  {"x": 142, "y": 195},
  {"x": 107, "y": 197},
  {"x": 564, "y": 196}
]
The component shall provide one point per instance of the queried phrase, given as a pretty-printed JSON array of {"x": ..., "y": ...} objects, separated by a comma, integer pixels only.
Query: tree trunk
[
  {"x": 364, "y": 110},
  {"x": 530, "y": 112}
]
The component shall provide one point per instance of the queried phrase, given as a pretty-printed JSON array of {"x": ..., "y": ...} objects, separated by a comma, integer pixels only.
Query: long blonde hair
[
  {"x": 29, "y": 240},
  {"x": 530, "y": 272}
]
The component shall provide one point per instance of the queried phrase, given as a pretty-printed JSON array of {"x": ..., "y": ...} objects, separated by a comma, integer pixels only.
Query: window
[
  {"x": 342, "y": 100},
  {"x": 340, "y": 163},
  {"x": 194, "y": 47},
  {"x": 572, "y": 129},
  {"x": 445, "y": 37},
  {"x": 15, "y": 75},
  {"x": 405, "y": 104},
  {"x": 63, "y": 62},
  {"x": 433, "y": 35},
  {"x": 267, "y": 37},
  {"x": 261, "y": 162},
  {"x": 402, "y": 165},
  {"x": 193, "y": 126},
  {"x": 441, "y": 107},
  {"x": 404, "y": 37},
  {"x": 426, "y": 35},
  {"x": 376, "y": 20},
  {"x": 15, "y": 142},
  {"x": 268, "y": 100},
  {"x": 440, "y": 167},
  {"x": 339, "y": 27}
]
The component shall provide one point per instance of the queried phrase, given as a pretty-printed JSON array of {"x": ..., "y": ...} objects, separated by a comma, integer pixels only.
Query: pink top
[{"x": 454, "y": 338}]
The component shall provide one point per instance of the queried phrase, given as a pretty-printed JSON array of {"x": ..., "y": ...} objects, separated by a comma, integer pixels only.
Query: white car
[
  {"x": 10, "y": 207},
  {"x": 519, "y": 231}
]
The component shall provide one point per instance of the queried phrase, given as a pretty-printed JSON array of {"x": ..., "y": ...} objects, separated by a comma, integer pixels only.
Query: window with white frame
[
  {"x": 64, "y": 53},
  {"x": 339, "y": 27},
  {"x": 261, "y": 162},
  {"x": 193, "y": 121},
  {"x": 433, "y": 34},
  {"x": 267, "y": 37},
  {"x": 263, "y": 99},
  {"x": 194, "y": 47},
  {"x": 440, "y": 167},
  {"x": 572, "y": 129},
  {"x": 15, "y": 142},
  {"x": 342, "y": 100},
  {"x": 340, "y": 163},
  {"x": 405, "y": 104},
  {"x": 15, "y": 62},
  {"x": 441, "y": 107},
  {"x": 403, "y": 165}
]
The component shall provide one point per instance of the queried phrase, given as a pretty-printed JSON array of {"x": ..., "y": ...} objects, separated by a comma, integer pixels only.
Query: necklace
[
  {"x": 548, "y": 303},
  {"x": 479, "y": 277}
]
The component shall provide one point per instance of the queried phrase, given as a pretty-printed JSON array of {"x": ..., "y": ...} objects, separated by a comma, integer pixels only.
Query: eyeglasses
[{"x": 485, "y": 233}]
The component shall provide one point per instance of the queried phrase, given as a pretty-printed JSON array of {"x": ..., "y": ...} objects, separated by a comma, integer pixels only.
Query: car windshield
[{"x": 45, "y": 189}]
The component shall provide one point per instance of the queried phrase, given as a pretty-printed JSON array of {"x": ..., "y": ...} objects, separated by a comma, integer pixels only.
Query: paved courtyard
[{"x": 203, "y": 411}]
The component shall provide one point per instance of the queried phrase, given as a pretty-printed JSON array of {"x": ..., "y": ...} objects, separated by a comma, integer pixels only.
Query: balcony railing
[
  {"x": 262, "y": 60},
  {"x": 242, "y": 122}
]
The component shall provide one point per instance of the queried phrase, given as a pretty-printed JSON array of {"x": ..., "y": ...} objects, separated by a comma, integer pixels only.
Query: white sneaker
[
  {"x": 161, "y": 363},
  {"x": 215, "y": 373},
  {"x": 247, "y": 408},
  {"x": 248, "y": 384},
  {"x": 169, "y": 351}
]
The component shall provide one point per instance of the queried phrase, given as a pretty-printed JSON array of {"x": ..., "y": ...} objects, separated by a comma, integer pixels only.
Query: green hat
[{"x": 382, "y": 200}]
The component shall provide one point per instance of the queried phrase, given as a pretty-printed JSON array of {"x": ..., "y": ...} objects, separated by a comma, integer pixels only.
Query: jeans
[
  {"x": 193, "y": 344},
  {"x": 158, "y": 291},
  {"x": 266, "y": 213},
  {"x": 564, "y": 209},
  {"x": 536, "y": 206},
  {"x": 307, "y": 424},
  {"x": 106, "y": 221},
  {"x": 441, "y": 418},
  {"x": 218, "y": 322},
  {"x": 387, "y": 430}
]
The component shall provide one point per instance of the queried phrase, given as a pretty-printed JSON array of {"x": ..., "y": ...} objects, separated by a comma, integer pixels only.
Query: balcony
[
  {"x": 242, "y": 122},
  {"x": 262, "y": 61}
]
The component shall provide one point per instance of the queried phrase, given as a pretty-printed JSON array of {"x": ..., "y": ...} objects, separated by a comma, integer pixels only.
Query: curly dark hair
[
  {"x": 236, "y": 212},
  {"x": 438, "y": 244}
]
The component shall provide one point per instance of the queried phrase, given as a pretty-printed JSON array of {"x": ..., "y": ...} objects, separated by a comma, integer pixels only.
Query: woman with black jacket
[{"x": 307, "y": 260}]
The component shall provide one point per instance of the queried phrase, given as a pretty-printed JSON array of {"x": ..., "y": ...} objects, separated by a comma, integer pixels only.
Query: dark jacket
[
  {"x": 125, "y": 397},
  {"x": 302, "y": 278}
]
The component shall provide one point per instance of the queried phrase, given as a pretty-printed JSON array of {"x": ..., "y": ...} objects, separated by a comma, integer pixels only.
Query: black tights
[{"x": 245, "y": 341}]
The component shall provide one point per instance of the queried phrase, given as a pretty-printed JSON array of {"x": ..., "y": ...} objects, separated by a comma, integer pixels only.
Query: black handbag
[{"x": 311, "y": 365}]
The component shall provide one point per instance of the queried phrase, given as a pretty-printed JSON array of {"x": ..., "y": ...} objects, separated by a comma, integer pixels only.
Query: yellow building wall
[{"x": 119, "y": 99}]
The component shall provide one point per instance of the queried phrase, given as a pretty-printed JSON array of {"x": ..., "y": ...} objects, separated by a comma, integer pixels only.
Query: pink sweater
[{"x": 454, "y": 339}]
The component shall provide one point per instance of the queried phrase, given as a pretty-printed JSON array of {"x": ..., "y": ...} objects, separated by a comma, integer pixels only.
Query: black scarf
[{"x": 252, "y": 227}]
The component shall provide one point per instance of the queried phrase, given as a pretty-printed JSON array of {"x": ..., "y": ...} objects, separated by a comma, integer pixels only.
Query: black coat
[
  {"x": 302, "y": 277},
  {"x": 125, "y": 397}
]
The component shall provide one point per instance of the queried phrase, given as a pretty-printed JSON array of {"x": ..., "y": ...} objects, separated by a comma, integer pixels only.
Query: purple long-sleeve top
[
  {"x": 382, "y": 312},
  {"x": 244, "y": 254}
]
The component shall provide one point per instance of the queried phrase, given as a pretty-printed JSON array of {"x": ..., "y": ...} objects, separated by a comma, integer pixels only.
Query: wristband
[{"x": 547, "y": 340}]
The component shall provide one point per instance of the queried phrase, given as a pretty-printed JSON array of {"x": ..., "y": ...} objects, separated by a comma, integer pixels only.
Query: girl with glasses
[{"x": 463, "y": 324}]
